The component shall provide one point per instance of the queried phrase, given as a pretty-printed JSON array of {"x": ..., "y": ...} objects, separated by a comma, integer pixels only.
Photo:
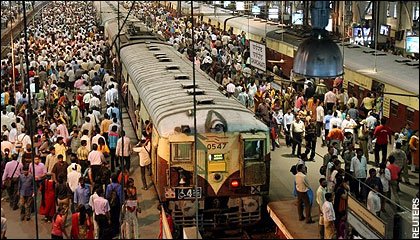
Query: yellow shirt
[
  {"x": 60, "y": 149},
  {"x": 368, "y": 102},
  {"x": 105, "y": 125}
]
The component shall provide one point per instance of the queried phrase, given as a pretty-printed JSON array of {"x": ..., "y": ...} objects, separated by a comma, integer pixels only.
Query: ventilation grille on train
[
  {"x": 153, "y": 48},
  {"x": 182, "y": 77},
  {"x": 255, "y": 173},
  {"x": 197, "y": 91},
  {"x": 188, "y": 85},
  {"x": 205, "y": 101},
  {"x": 172, "y": 67},
  {"x": 165, "y": 59}
]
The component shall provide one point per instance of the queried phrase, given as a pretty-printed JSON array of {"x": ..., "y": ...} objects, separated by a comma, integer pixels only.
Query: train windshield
[{"x": 253, "y": 149}]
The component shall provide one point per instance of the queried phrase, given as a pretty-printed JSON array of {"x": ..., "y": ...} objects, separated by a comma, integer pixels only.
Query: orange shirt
[{"x": 335, "y": 134}]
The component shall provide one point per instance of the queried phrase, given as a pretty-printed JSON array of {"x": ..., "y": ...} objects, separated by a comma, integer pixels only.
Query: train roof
[
  {"x": 161, "y": 89},
  {"x": 391, "y": 69}
]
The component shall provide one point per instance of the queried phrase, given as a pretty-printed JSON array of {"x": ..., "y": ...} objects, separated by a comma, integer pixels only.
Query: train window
[
  {"x": 181, "y": 152},
  {"x": 410, "y": 116},
  {"x": 253, "y": 149},
  {"x": 394, "y": 108}
]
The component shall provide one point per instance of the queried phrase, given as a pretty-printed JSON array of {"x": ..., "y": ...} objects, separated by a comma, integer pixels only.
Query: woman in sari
[
  {"x": 47, "y": 207},
  {"x": 81, "y": 224}
]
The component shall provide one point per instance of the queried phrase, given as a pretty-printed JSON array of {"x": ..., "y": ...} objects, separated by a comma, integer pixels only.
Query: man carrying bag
[{"x": 10, "y": 180}]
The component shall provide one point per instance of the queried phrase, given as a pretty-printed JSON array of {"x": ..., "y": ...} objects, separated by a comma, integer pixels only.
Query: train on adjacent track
[
  {"x": 232, "y": 150},
  {"x": 393, "y": 77}
]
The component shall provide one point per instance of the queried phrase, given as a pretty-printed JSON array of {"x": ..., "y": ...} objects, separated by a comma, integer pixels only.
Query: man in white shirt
[
  {"x": 371, "y": 122},
  {"x": 319, "y": 118},
  {"x": 230, "y": 89},
  {"x": 111, "y": 95},
  {"x": 288, "y": 120},
  {"x": 297, "y": 132},
  {"x": 95, "y": 158},
  {"x": 102, "y": 213},
  {"x": 91, "y": 200},
  {"x": 97, "y": 89},
  {"x": 302, "y": 188},
  {"x": 13, "y": 133},
  {"x": 320, "y": 199},
  {"x": 94, "y": 102},
  {"x": 329, "y": 217},
  {"x": 374, "y": 201},
  {"x": 358, "y": 167}
]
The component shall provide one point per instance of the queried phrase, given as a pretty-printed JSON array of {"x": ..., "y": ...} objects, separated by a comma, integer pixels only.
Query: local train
[
  {"x": 232, "y": 148},
  {"x": 396, "y": 78}
]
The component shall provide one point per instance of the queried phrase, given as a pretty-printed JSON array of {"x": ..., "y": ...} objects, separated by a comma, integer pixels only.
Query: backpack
[{"x": 113, "y": 198}]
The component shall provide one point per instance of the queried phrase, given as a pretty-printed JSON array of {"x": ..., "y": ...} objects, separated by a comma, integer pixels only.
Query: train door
[{"x": 395, "y": 116}]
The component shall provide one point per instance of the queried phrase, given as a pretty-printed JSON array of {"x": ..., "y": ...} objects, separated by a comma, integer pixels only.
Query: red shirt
[
  {"x": 381, "y": 133},
  {"x": 394, "y": 169}
]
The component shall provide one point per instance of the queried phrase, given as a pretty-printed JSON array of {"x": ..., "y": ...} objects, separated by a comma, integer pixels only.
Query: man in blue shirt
[
  {"x": 327, "y": 120},
  {"x": 82, "y": 194},
  {"x": 26, "y": 192}
]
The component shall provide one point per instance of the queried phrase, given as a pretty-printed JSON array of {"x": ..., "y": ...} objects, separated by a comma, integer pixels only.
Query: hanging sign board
[
  {"x": 240, "y": 6},
  {"x": 273, "y": 13},
  {"x": 256, "y": 10},
  {"x": 257, "y": 54}
]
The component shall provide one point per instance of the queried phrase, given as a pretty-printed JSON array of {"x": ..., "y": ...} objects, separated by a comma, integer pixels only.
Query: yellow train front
[{"x": 233, "y": 177}]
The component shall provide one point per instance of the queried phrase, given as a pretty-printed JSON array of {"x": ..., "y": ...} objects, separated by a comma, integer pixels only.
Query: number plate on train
[{"x": 188, "y": 193}]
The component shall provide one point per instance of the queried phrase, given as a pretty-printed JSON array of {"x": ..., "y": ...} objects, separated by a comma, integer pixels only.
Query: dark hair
[
  {"x": 300, "y": 167},
  {"x": 328, "y": 196},
  {"x": 391, "y": 159},
  {"x": 94, "y": 146},
  {"x": 372, "y": 171},
  {"x": 321, "y": 180}
]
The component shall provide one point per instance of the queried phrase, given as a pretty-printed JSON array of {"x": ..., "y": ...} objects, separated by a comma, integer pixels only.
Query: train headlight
[{"x": 217, "y": 177}]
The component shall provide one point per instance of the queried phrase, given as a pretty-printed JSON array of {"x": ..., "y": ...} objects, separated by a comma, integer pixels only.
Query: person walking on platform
[
  {"x": 320, "y": 199},
  {"x": 102, "y": 214},
  {"x": 329, "y": 217},
  {"x": 143, "y": 148},
  {"x": 58, "y": 225},
  {"x": 10, "y": 180},
  {"x": 302, "y": 187},
  {"x": 288, "y": 120},
  {"x": 394, "y": 170},
  {"x": 358, "y": 168},
  {"x": 381, "y": 133},
  {"x": 310, "y": 137},
  {"x": 124, "y": 154},
  {"x": 297, "y": 132},
  {"x": 26, "y": 192}
]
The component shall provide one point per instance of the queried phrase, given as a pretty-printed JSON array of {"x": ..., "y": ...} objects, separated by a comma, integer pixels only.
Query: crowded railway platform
[{"x": 71, "y": 117}]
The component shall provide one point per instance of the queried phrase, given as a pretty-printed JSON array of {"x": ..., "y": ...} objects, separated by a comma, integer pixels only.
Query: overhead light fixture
[{"x": 318, "y": 55}]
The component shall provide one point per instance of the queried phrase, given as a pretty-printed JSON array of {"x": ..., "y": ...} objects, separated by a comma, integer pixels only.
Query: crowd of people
[
  {"x": 351, "y": 130},
  {"x": 11, "y": 13},
  {"x": 81, "y": 153}
]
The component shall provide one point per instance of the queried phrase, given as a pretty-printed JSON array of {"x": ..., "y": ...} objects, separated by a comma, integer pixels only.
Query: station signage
[
  {"x": 256, "y": 10},
  {"x": 273, "y": 13},
  {"x": 240, "y": 6},
  {"x": 257, "y": 55}
]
